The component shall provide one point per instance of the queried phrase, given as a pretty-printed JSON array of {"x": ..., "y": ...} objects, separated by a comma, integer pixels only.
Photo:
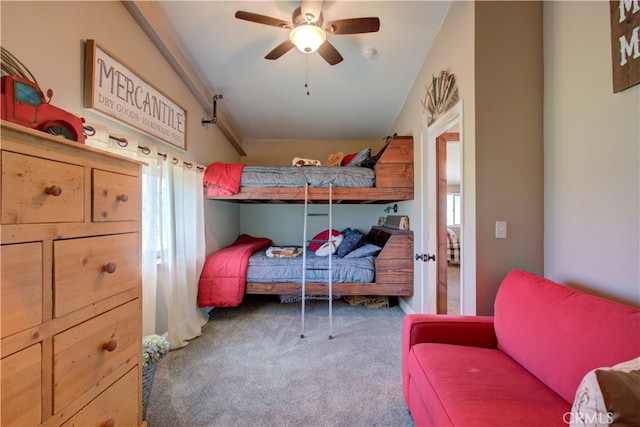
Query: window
[
  {"x": 453, "y": 209},
  {"x": 27, "y": 94}
]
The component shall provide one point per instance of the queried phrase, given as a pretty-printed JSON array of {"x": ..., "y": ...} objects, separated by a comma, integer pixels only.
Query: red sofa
[{"x": 521, "y": 366}]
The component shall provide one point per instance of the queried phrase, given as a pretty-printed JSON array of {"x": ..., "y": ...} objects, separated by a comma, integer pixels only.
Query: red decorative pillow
[
  {"x": 323, "y": 235},
  {"x": 347, "y": 158}
]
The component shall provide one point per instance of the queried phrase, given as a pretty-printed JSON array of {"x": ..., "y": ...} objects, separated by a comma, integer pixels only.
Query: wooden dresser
[{"x": 70, "y": 283}]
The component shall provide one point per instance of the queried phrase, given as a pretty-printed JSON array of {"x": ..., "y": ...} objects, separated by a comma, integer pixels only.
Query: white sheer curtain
[
  {"x": 150, "y": 238},
  {"x": 181, "y": 226},
  {"x": 173, "y": 245}
]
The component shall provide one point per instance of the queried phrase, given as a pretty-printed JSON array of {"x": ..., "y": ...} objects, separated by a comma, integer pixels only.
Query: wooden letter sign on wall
[
  {"x": 113, "y": 89},
  {"x": 625, "y": 43}
]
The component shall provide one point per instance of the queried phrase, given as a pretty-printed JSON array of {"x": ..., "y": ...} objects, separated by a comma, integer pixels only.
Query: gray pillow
[
  {"x": 367, "y": 249},
  {"x": 360, "y": 157}
]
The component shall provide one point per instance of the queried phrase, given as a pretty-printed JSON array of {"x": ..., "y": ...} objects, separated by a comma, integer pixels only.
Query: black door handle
[{"x": 425, "y": 257}]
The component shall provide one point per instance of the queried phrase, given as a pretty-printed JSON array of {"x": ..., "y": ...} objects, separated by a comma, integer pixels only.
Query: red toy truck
[{"x": 24, "y": 103}]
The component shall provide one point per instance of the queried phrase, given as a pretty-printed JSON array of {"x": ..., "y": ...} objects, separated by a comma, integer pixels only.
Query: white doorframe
[{"x": 429, "y": 204}]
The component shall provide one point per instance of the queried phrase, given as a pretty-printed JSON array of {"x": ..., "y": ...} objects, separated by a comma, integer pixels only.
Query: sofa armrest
[{"x": 476, "y": 331}]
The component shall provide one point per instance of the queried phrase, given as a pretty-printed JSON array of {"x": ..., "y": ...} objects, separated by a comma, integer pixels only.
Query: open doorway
[
  {"x": 442, "y": 205},
  {"x": 449, "y": 220}
]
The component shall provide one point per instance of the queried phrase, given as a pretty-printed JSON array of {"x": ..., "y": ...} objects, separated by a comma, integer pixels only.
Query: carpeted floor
[
  {"x": 251, "y": 368},
  {"x": 453, "y": 289}
]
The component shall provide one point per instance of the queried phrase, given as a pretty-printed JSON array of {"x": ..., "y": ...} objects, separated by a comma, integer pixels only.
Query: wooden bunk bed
[
  {"x": 394, "y": 264},
  {"x": 393, "y": 183}
]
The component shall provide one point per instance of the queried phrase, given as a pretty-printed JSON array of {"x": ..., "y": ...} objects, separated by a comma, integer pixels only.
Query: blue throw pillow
[
  {"x": 360, "y": 157},
  {"x": 367, "y": 249},
  {"x": 352, "y": 240},
  {"x": 371, "y": 161}
]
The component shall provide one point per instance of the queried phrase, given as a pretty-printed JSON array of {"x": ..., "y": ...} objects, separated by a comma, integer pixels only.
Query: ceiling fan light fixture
[{"x": 307, "y": 37}]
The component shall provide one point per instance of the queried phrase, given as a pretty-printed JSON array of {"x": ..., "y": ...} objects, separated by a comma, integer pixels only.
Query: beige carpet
[
  {"x": 453, "y": 289},
  {"x": 251, "y": 368}
]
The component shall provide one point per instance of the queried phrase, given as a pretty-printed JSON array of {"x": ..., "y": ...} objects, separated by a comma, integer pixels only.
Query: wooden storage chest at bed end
[
  {"x": 394, "y": 264},
  {"x": 394, "y": 169}
]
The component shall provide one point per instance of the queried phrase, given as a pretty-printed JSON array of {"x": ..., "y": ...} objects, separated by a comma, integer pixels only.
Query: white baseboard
[{"x": 404, "y": 306}]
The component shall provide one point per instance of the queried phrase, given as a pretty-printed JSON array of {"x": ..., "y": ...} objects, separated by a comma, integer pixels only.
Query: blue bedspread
[
  {"x": 316, "y": 176},
  {"x": 264, "y": 269}
]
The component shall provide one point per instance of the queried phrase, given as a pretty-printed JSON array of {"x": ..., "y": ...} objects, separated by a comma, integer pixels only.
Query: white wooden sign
[
  {"x": 625, "y": 43},
  {"x": 115, "y": 90}
]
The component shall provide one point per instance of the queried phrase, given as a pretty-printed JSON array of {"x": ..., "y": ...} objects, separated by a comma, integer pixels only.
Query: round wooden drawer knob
[
  {"x": 53, "y": 190},
  {"x": 122, "y": 198},
  {"x": 109, "y": 268},
  {"x": 110, "y": 345},
  {"x": 108, "y": 423}
]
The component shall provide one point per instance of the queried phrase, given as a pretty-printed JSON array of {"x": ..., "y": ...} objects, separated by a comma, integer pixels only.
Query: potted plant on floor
[{"x": 154, "y": 348}]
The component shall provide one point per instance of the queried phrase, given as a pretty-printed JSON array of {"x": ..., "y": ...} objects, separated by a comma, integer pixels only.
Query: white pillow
[
  {"x": 331, "y": 245},
  {"x": 607, "y": 395}
]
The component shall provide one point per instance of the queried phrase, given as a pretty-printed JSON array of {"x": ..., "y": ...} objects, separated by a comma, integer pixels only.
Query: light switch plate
[{"x": 501, "y": 229}]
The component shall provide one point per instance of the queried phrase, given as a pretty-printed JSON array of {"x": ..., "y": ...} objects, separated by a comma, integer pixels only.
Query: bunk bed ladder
[{"x": 307, "y": 214}]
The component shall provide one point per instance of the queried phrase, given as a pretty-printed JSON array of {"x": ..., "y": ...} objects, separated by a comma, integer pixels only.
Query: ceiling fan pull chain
[{"x": 306, "y": 73}]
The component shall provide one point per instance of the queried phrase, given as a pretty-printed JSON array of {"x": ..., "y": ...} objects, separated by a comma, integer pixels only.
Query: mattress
[
  {"x": 316, "y": 176},
  {"x": 264, "y": 269}
]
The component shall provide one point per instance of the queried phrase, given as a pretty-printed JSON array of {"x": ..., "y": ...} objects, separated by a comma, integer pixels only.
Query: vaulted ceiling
[{"x": 356, "y": 99}]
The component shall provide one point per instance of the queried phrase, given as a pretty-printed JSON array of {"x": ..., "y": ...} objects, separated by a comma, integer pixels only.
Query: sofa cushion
[
  {"x": 558, "y": 333},
  {"x": 471, "y": 386}
]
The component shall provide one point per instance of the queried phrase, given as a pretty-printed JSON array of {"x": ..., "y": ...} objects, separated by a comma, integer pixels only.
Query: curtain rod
[{"x": 122, "y": 142}]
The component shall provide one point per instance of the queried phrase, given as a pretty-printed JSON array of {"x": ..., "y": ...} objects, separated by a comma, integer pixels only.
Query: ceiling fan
[{"x": 308, "y": 31}]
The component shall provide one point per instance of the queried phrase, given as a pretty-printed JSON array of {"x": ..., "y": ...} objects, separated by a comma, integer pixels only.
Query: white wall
[
  {"x": 284, "y": 223},
  {"x": 48, "y": 37},
  {"x": 263, "y": 153},
  {"x": 453, "y": 51},
  {"x": 592, "y": 157}
]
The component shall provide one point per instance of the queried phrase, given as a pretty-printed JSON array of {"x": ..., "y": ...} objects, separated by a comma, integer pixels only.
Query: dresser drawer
[
  {"x": 116, "y": 197},
  {"x": 117, "y": 406},
  {"x": 36, "y": 190},
  {"x": 21, "y": 388},
  {"x": 90, "y": 351},
  {"x": 93, "y": 268},
  {"x": 20, "y": 287}
]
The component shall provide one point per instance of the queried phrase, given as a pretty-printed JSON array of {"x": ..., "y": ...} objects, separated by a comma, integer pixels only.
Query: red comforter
[
  {"x": 222, "y": 179},
  {"x": 223, "y": 277}
]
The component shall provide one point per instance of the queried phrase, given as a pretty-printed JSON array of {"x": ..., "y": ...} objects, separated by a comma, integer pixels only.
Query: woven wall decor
[{"x": 442, "y": 94}]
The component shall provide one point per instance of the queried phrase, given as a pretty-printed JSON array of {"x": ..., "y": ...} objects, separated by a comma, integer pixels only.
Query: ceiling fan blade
[
  {"x": 262, "y": 19},
  {"x": 312, "y": 7},
  {"x": 280, "y": 50},
  {"x": 329, "y": 53},
  {"x": 353, "y": 26}
]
